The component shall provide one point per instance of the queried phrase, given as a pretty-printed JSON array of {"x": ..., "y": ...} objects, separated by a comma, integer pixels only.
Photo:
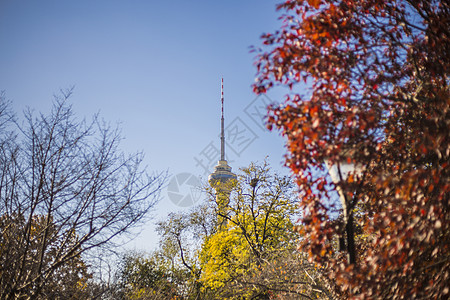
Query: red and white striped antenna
[{"x": 222, "y": 133}]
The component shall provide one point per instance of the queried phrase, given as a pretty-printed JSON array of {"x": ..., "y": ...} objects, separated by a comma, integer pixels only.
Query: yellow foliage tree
[
  {"x": 258, "y": 226},
  {"x": 241, "y": 244}
]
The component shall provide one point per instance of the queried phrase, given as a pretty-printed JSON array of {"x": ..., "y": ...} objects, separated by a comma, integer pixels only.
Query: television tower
[
  {"x": 222, "y": 171},
  {"x": 221, "y": 179}
]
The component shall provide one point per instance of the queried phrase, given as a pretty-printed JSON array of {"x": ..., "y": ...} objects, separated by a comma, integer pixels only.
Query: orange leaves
[
  {"x": 313, "y": 111},
  {"x": 390, "y": 106},
  {"x": 289, "y": 125},
  {"x": 340, "y": 87},
  {"x": 314, "y": 3}
]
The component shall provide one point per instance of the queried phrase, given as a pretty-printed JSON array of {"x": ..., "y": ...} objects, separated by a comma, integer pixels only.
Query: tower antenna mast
[{"x": 222, "y": 133}]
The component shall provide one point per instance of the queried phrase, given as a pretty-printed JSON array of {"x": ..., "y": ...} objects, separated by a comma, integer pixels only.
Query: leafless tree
[{"x": 65, "y": 190}]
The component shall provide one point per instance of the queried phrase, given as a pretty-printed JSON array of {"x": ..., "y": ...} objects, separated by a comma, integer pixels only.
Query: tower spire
[
  {"x": 222, "y": 132},
  {"x": 222, "y": 172}
]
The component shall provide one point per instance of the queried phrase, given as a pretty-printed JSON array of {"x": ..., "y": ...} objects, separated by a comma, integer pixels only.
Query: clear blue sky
[{"x": 154, "y": 66}]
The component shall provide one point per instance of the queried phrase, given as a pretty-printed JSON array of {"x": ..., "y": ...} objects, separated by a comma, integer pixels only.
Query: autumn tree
[
  {"x": 65, "y": 190},
  {"x": 368, "y": 85},
  {"x": 247, "y": 256},
  {"x": 69, "y": 279},
  {"x": 142, "y": 276},
  {"x": 240, "y": 247},
  {"x": 181, "y": 237}
]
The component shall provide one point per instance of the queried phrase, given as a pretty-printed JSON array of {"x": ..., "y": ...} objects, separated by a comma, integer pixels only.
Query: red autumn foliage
[{"x": 377, "y": 73}]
